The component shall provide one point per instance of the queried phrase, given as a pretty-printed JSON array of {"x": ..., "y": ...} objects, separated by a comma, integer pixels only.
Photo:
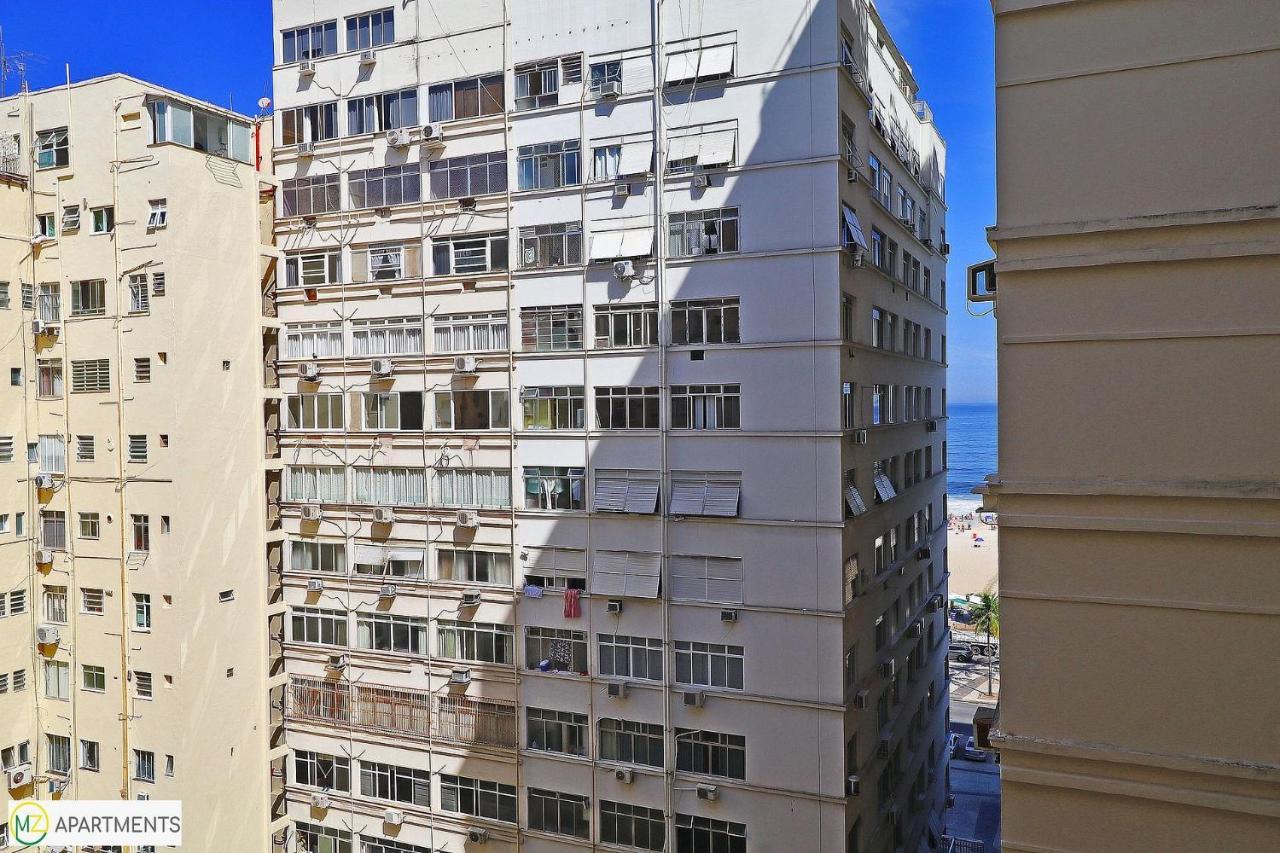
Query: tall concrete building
[
  {"x": 1137, "y": 241},
  {"x": 674, "y": 584},
  {"x": 132, "y": 646}
]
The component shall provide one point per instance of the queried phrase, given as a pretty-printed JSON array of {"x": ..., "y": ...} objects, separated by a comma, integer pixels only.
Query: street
[{"x": 975, "y": 785}]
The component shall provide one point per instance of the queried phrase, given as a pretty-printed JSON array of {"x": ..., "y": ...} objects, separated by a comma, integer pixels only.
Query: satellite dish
[{"x": 263, "y": 103}]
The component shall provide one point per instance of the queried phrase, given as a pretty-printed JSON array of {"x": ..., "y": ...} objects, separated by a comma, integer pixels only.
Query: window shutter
[
  {"x": 412, "y": 260},
  {"x": 854, "y": 499},
  {"x": 610, "y": 495},
  {"x": 687, "y": 498},
  {"x": 360, "y": 265},
  {"x": 884, "y": 488},
  {"x": 722, "y": 500},
  {"x": 642, "y": 496},
  {"x": 625, "y": 573}
]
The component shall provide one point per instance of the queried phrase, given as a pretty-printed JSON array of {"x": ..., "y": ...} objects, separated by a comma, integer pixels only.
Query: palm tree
[{"x": 984, "y": 615}]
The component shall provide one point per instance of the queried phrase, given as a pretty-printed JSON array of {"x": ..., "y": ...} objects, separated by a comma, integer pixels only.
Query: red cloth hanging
[{"x": 572, "y": 604}]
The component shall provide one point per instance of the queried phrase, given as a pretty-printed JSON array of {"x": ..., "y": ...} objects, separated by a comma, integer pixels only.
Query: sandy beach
[{"x": 972, "y": 564}]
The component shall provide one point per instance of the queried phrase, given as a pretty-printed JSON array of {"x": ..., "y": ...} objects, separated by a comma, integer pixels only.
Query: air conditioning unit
[
  {"x": 859, "y": 436},
  {"x": 906, "y": 220},
  {"x": 478, "y": 836},
  {"x": 923, "y": 554},
  {"x": 306, "y": 67},
  {"x": 851, "y": 176},
  {"x": 860, "y": 699},
  {"x": 383, "y": 515},
  {"x": 44, "y": 482},
  {"x": 856, "y": 254},
  {"x": 931, "y": 425},
  {"x": 310, "y": 512},
  {"x": 315, "y": 585},
  {"x": 44, "y": 556},
  {"x": 468, "y": 518},
  {"x": 624, "y": 270},
  {"x": 982, "y": 280},
  {"x": 37, "y": 327},
  {"x": 945, "y": 248},
  {"x": 309, "y": 371},
  {"x": 728, "y": 616},
  {"x": 381, "y": 367},
  {"x": 915, "y": 630},
  {"x": 471, "y": 598},
  {"x": 614, "y": 606},
  {"x": 460, "y": 675},
  {"x": 18, "y": 777},
  {"x": 467, "y": 203},
  {"x": 368, "y": 57},
  {"x": 307, "y": 149},
  {"x": 852, "y": 786},
  {"x": 888, "y": 668},
  {"x": 621, "y": 190},
  {"x": 928, "y": 243},
  {"x": 319, "y": 801},
  {"x": 432, "y": 136},
  {"x": 47, "y": 635},
  {"x": 935, "y": 602},
  {"x": 710, "y": 793},
  {"x": 610, "y": 90},
  {"x": 701, "y": 180},
  {"x": 617, "y": 689},
  {"x": 337, "y": 663},
  {"x": 625, "y": 775},
  {"x": 465, "y": 364},
  {"x": 695, "y": 699},
  {"x": 393, "y": 817},
  {"x": 883, "y": 747},
  {"x": 398, "y": 137},
  {"x": 387, "y": 590}
]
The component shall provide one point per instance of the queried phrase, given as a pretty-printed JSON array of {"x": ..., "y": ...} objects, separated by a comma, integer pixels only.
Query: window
[
  {"x": 556, "y": 731},
  {"x": 318, "y": 626},
  {"x": 93, "y": 375},
  {"x": 631, "y": 742},
  {"x": 467, "y": 98},
  {"x": 626, "y": 490},
  {"x": 563, "y": 814},
  {"x": 548, "y": 165},
  {"x": 88, "y": 298},
  {"x": 312, "y": 269},
  {"x": 473, "y": 487},
  {"x": 470, "y": 332},
  {"x": 17, "y": 602},
  {"x": 139, "y": 295},
  {"x": 705, "y": 321},
  {"x": 627, "y": 407},
  {"x": 551, "y": 328},
  {"x": 386, "y": 632},
  {"x": 159, "y": 215},
  {"x": 4, "y": 295},
  {"x": 881, "y": 180},
  {"x": 851, "y": 234},
  {"x": 706, "y": 407},
  {"x": 314, "y": 411},
  {"x": 19, "y": 684},
  {"x": 854, "y": 505},
  {"x": 389, "y": 486},
  {"x": 626, "y": 325},
  {"x": 468, "y": 176},
  {"x": 309, "y": 196},
  {"x": 385, "y": 186},
  {"x": 538, "y": 84},
  {"x": 387, "y": 336},
  {"x": 28, "y": 297},
  {"x": 398, "y": 784},
  {"x": 57, "y": 679},
  {"x": 709, "y": 664},
  {"x": 55, "y": 604},
  {"x": 555, "y": 568},
  {"x": 696, "y": 834},
  {"x": 551, "y": 245},
  {"x": 317, "y": 557},
  {"x": 49, "y": 377},
  {"x": 104, "y": 220},
  {"x": 312, "y": 340},
  {"x": 698, "y": 64},
  {"x": 310, "y": 42},
  {"x": 555, "y": 650},
  {"x": 315, "y": 838},
  {"x": 142, "y": 370},
  {"x": 549, "y": 487},
  {"x": 386, "y": 111},
  {"x": 482, "y": 642},
  {"x": 141, "y": 611},
  {"x": 705, "y": 232},
  {"x": 317, "y": 770},
  {"x": 93, "y": 678},
  {"x": 15, "y": 376},
  {"x": 312, "y": 123},
  {"x": 691, "y": 150},
  {"x": 392, "y": 411},
  {"x": 371, "y": 30},
  {"x": 468, "y": 566},
  {"x": 6, "y": 448},
  {"x": 315, "y": 483},
  {"x": 630, "y": 657},
  {"x": 89, "y": 754},
  {"x": 628, "y": 825},
  {"x": 137, "y": 448},
  {"x": 711, "y": 753},
  {"x": 882, "y": 404},
  {"x": 605, "y": 72},
  {"x": 606, "y": 162},
  {"x": 53, "y": 530},
  {"x": 46, "y": 225},
  {"x": 92, "y": 601},
  {"x": 478, "y": 798},
  {"x": 53, "y": 148},
  {"x": 467, "y": 255},
  {"x": 472, "y": 410},
  {"x": 705, "y": 493},
  {"x": 59, "y": 754},
  {"x": 49, "y": 306},
  {"x": 554, "y": 407},
  {"x": 144, "y": 765}
]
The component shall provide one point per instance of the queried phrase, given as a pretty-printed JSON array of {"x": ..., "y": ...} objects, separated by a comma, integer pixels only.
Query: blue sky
[{"x": 220, "y": 51}]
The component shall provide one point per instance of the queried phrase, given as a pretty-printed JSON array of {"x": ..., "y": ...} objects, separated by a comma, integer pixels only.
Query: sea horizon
[{"x": 971, "y": 452}]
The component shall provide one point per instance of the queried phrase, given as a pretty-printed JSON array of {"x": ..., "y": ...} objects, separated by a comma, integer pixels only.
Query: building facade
[
  {"x": 608, "y": 410},
  {"x": 1138, "y": 463},
  {"x": 131, "y": 455}
]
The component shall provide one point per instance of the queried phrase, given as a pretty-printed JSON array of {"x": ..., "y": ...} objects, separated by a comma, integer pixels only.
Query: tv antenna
[{"x": 13, "y": 63}]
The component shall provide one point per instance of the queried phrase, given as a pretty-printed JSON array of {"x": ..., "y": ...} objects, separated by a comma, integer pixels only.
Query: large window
[
  {"x": 626, "y": 325},
  {"x": 703, "y": 232},
  {"x": 309, "y": 196},
  {"x": 373, "y": 29},
  {"x": 311, "y": 269},
  {"x": 387, "y": 632},
  {"x": 706, "y": 407},
  {"x": 317, "y": 770},
  {"x": 482, "y": 642},
  {"x": 59, "y": 753},
  {"x": 709, "y": 664},
  {"x": 627, "y": 407},
  {"x": 472, "y": 410},
  {"x": 53, "y": 454},
  {"x": 53, "y": 148},
  {"x": 550, "y": 487},
  {"x": 49, "y": 377},
  {"x": 386, "y": 336},
  {"x": 391, "y": 411},
  {"x": 468, "y": 566},
  {"x": 630, "y": 657},
  {"x": 467, "y": 255},
  {"x": 468, "y": 176},
  {"x": 554, "y": 407},
  {"x": 314, "y": 838},
  {"x": 705, "y": 321},
  {"x": 473, "y": 487},
  {"x": 386, "y": 261},
  {"x": 713, "y": 579},
  {"x": 313, "y": 123},
  {"x": 385, "y": 186},
  {"x": 548, "y": 165},
  {"x": 88, "y": 298},
  {"x": 697, "y": 834},
  {"x": 57, "y": 679},
  {"x": 551, "y": 328},
  {"x": 712, "y": 753},
  {"x": 313, "y": 340},
  {"x": 310, "y": 42},
  {"x": 470, "y": 332},
  {"x": 563, "y": 814},
  {"x": 314, "y": 411},
  {"x": 53, "y": 530},
  {"x": 555, "y": 650},
  {"x": 551, "y": 245},
  {"x": 315, "y": 483},
  {"x": 478, "y": 797},
  {"x": 389, "y": 486},
  {"x": 538, "y": 83},
  {"x": 631, "y": 742},
  {"x": 467, "y": 98},
  {"x": 628, "y": 825},
  {"x": 181, "y": 124},
  {"x": 398, "y": 784},
  {"x": 556, "y": 731},
  {"x": 319, "y": 626},
  {"x": 385, "y": 111},
  {"x": 317, "y": 556}
]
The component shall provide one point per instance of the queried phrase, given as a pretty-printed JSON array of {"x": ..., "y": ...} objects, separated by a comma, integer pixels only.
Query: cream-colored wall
[{"x": 1138, "y": 325}]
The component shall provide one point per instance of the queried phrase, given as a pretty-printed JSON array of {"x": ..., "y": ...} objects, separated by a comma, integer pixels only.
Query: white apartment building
[
  {"x": 609, "y": 505},
  {"x": 132, "y": 646}
]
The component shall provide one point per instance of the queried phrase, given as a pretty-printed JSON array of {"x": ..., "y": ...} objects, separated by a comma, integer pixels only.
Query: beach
[{"x": 973, "y": 569}]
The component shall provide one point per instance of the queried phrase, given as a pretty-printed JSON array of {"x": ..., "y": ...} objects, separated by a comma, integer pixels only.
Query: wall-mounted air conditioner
[
  {"x": 617, "y": 689},
  {"x": 309, "y": 371},
  {"x": 47, "y": 635},
  {"x": 625, "y": 775},
  {"x": 319, "y": 801},
  {"x": 432, "y": 136},
  {"x": 710, "y": 793},
  {"x": 307, "y": 149},
  {"x": 860, "y": 699},
  {"x": 44, "y": 482},
  {"x": 310, "y": 512},
  {"x": 476, "y": 835},
  {"x": 701, "y": 180},
  {"x": 465, "y": 364},
  {"x": 728, "y": 616},
  {"x": 393, "y": 817},
  {"x": 695, "y": 699},
  {"x": 18, "y": 777},
  {"x": 468, "y": 518},
  {"x": 337, "y": 663},
  {"x": 387, "y": 590},
  {"x": 460, "y": 675},
  {"x": 859, "y": 436},
  {"x": 368, "y": 57},
  {"x": 471, "y": 598},
  {"x": 307, "y": 67},
  {"x": 621, "y": 190},
  {"x": 383, "y": 515},
  {"x": 315, "y": 585},
  {"x": 610, "y": 90},
  {"x": 44, "y": 556},
  {"x": 624, "y": 270},
  {"x": 398, "y": 137},
  {"x": 614, "y": 606}
]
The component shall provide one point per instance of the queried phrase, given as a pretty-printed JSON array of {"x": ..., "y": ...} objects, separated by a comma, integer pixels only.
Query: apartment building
[
  {"x": 132, "y": 647},
  {"x": 1137, "y": 241},
  {"x": 674, "y": 584}
]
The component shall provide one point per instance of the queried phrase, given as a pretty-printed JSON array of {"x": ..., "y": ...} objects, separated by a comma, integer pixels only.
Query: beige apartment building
[
  {"x": 132, "y": 646},
  {"x": 1138, "y": 255}
]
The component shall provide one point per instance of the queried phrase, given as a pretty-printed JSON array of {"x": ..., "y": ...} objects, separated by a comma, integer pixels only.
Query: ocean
[{"x": 971, "y": 453}]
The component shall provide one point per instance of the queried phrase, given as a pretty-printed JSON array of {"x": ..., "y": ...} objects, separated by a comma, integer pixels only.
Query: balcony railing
[{"x": 397, "y": 711}]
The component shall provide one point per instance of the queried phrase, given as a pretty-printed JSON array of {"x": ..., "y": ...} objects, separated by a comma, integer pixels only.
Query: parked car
[
  {"x": 955, "y": 746},
  {"x": 972, "y": 753},
  {"x": 960, "y": 652}
]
